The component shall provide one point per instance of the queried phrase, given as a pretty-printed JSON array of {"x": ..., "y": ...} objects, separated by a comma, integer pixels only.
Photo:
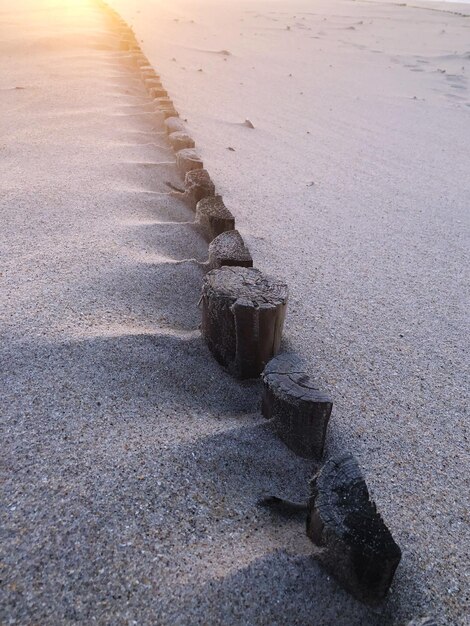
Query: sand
[
  {"x": 354, "y": 188},
  {"x": 131, "y": 463}
]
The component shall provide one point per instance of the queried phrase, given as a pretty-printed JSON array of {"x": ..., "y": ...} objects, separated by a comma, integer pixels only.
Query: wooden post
[
  {"x": 157, "y": 92},
  {"x": 153, "y": 83},
  {"x": 174, "y": 124},
  {"x": 188, "y": 160},
  {"x": 180, "y": 140},
  {"x": 229, "y": 249},
  {"x": 197, "y": 185},
  {"x": 300, "y": 412},
  {"x": 243, "y": 315},
  {"x": 353, "y": 542},
  {"x": 214, "y": 216},
  {"x": 149, "y": 75},
  {"x": 167, "y": 110}
]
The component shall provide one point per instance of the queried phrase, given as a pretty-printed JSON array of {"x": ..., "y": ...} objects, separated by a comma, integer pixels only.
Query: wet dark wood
[
  {"x": 243, "y": 315},
  {"x": 214, "y": 216},
  {"x": 198, "y": 185},
  {"x": 229, "y": 249},
  {"x": 180, "y": 140},
  {"x": 353, "y": 542},
  {"x": 300, "y": 412},
  {"x": 188, "y": 160}
]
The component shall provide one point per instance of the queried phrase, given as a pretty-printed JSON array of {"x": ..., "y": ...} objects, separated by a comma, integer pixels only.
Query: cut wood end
[
  {"x": 229, "y": 249},
  {"x": 247, "y": 283}
]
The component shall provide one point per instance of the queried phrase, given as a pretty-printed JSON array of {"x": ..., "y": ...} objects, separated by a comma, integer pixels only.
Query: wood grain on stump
[
  {"x": 180, "y": 140},
  {"x": 229, "y": 249},
  {"x": 188, "y": 160},
  {"x": 197, "y": 186},
  {"x": 300, "y": 412},
  {"x": 243, "y": 315},
  {"x": 353, "y": 542},
  {"x": 214, "y": 216},
  {"x": 174, "y": 124}
]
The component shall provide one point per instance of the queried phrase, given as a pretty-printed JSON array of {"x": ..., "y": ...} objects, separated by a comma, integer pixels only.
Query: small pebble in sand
[
  {"x": 231, "y": 149},
  {"x": 248, "y": 124}
]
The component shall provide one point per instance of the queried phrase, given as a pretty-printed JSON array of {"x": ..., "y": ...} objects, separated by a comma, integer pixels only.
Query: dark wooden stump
[
  {"x": 180, "y": 140},
  {"x": 214, "y": 216},
  {"x": 243, "y": 315},
  {"x": 188, "y": 160},
  {"x": 174, "y": 124},
  {"x": 353, "y": 542},
  {"x": 299, "y": 411},
  {"x": 229, "y": 249},
  {"x": 197, "y": 185}
]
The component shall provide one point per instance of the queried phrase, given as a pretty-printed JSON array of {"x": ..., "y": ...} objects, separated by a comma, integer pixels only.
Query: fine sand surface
[
  {"x": 131, "y": 463},
  {"x": 354, "y": 187}
]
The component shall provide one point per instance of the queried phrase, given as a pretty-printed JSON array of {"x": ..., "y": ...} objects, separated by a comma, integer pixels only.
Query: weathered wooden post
[
  {"x": 180, "y": 140},
  {"x": 300, "y": 412},
  {"x": 197, "y": 186},
  {"x": 229, "y": 249},
  {"x": 174, "y": 124},
  {"x": 243, "y": 315},
  {"x": 156, "y": 92},
  {"x": 353, "y": 542},
  {"x": 188, "y": 160},
  {"x": 214, "y": 216}
]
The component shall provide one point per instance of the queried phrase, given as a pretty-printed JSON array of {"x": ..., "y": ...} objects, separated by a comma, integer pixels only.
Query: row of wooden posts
[{"x": 243, "y": 312}]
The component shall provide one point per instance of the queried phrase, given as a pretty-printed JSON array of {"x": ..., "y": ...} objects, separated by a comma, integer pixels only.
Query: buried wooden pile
[
  {"x": 352, "y": 540},
  {"x": 243, "y": 314},
  {"x": 299, "y": 411}
]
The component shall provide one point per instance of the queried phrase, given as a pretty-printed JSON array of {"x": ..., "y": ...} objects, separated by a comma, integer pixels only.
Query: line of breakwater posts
[{"x": 243, "y": 313}]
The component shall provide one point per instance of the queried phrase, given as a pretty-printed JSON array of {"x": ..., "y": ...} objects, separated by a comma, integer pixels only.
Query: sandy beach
[{"x": 131, "y": 462}]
